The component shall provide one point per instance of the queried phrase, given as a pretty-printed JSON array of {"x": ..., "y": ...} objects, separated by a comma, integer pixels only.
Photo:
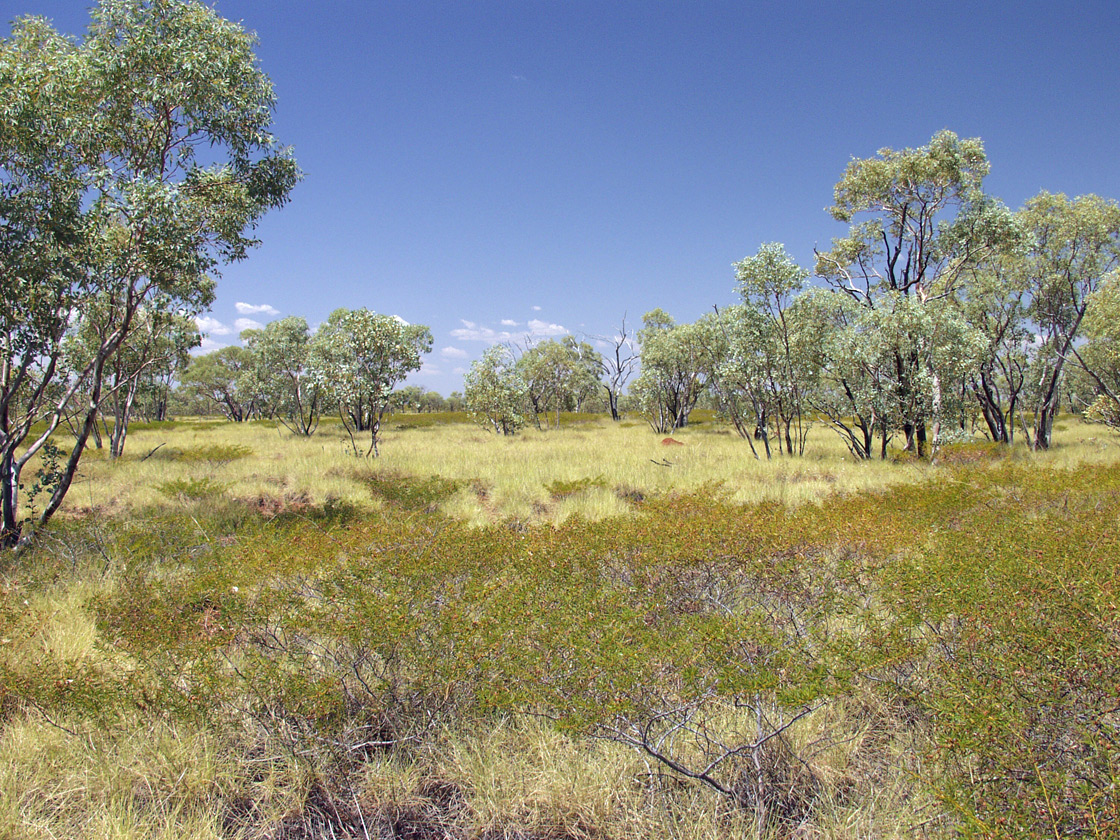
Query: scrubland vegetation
[
  {"x": 236, "y": 631},
  {"x": 833, "y": 613}
]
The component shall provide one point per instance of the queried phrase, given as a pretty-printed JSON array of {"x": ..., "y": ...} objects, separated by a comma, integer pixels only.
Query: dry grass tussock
[{"x": 514, "y": 778}]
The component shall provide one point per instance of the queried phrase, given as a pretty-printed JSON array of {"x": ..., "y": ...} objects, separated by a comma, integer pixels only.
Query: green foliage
[
  {"x": 495, "y": 391},
  {"x": 927, "y": 224},
  {"x": 278, "y": 377},
  {"x": 675, "y": 360},
  {"x": 559, "y": 375},
  {"x": 1016, "y": 601},
  {"x": 1074, "y": 253},
  {"x": 215, "y": 383},
  {"x": 1105, "y": 410},
  {"x": 979, "y": 604},
  {"x": 356, "y": 359},
  {"x": 48, "y": 475}
]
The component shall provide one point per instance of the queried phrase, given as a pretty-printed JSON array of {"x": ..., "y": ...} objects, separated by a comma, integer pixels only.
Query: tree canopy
[{"x": 357, "y": 357}]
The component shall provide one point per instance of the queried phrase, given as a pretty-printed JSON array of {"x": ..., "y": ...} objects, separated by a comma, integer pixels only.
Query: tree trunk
[{"x": 9, "y": 525}]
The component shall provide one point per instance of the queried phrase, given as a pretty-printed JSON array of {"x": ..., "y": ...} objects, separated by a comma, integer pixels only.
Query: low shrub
[
  {"x": 971, "y": 453},
  {"x": 192, "y": 488},
  {"x": 563, "y": 489},
  {"x": 413, "y": 493},
  {"x": 213, "y": 454}
]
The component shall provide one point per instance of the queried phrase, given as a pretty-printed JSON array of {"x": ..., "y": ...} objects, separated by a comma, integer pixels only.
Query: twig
[
  {"x": 49, "y": 719},
  {"x": 153, "y": 452}
]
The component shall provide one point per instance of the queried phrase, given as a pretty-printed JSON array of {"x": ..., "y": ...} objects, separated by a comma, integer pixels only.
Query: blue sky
[{"x": 500, "y": 169}]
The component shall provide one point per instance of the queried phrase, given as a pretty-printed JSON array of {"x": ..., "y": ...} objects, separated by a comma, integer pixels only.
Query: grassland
[{"x": 584, "y": 633}]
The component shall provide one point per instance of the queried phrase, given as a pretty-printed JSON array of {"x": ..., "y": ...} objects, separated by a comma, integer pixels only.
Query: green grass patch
[
  {"x": 565, "y": 489},
  {"x": 412, "y": 493},
  {"x": 216, "y": 454},
  {"x": 193, "y": 488}
]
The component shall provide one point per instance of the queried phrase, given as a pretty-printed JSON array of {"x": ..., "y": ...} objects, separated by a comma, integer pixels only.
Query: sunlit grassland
[{"x": 593, "y": 469}]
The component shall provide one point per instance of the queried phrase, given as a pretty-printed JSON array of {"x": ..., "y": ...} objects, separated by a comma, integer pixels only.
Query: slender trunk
[
  {"x": 9, "y": 525},
  {"x": 612, "y": 400},
  {"x": 71, "y": 468},
  {"x": 1009, "y": 419},
  {"x": 990, "y": 409},
  {"x": 1050, "y": 402},
  {"x": 936, "y": 410}
]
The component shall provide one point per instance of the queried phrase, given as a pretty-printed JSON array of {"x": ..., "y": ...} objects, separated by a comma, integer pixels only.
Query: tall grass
[{"x": 499, "y": 478}]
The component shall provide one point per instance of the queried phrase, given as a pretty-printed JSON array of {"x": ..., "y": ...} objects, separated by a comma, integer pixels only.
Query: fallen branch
[{"x": 153, "y": 452}]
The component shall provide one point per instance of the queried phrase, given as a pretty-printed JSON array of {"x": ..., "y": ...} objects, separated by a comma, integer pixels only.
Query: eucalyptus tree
[
  {"x": 433, "y": 401},
  {"x": 923, "y": 222},
  {"x": 158, "y": 344},
  {"x": 1075, "y": 248},
  {"x": 675, "y": 359},
  {"x": 356, "y": 358},
  {"x": 1100, "y": 355},
  {"x": 768, "y": 283},
  {"x": 278, "y": 376},
  {"x": 158, "y": 380},
  {"x": 409, "y": 398},
  {"x": 738, "y": 339},
  {"x": 103, "y": 197},
  {"x": 494, "y": 391},
  {"x": 843, "y": 383},
  {"x": 559, "y": 375},
  {"x": 215, "y": 382},
  {"x": 996, "y": 304}
]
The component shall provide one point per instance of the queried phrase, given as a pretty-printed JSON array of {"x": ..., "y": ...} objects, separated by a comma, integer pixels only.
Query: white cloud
[
  {"x": 506, "y": 322},
  {"x": 535, "y": 308},
  {"x": 254, "y": 309},
  {"x": 211, "y": 326},
  {"x": 453, "y": 353},
  {"x": 459, "y": 371},
  {"x": 242, "y": 324},
  {"x": 540, "y": 328},
  {"x": 208, "y": 345},
  {"x": 471, "y": 331}
]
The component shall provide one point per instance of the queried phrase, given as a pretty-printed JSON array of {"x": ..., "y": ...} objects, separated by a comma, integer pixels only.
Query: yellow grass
[{"x": 504, "y": 478}]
